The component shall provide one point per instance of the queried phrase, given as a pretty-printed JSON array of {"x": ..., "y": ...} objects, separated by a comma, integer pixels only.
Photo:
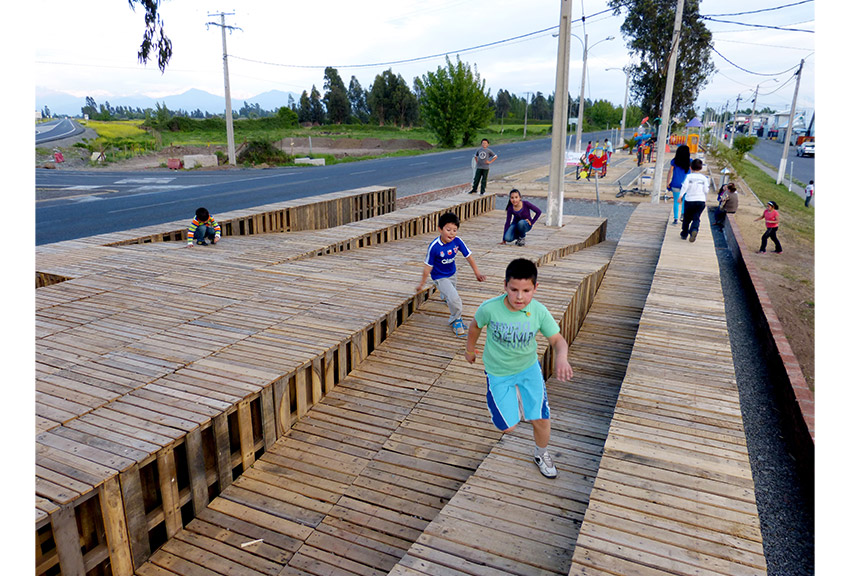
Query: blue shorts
[{"x": 518, "y": 396}]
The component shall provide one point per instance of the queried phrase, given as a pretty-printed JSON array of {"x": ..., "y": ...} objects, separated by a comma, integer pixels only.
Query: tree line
[{"x": 453, "y": 102}]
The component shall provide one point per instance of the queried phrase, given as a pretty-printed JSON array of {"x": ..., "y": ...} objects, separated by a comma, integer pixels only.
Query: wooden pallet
[
  {"x": 356, "y": 480},
  {"x": 674, "y": 492},
  {"x": 140, "y": 426},
  {"x": 507, "y": 518}
]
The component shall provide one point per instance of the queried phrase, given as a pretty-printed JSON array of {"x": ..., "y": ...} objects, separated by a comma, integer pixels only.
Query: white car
[{"x": 806, "y": 149}]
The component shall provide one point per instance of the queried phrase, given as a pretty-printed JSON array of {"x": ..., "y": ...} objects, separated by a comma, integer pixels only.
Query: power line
[
  {"x": 710, "y": 19},
  {"x": 762, "y": 10},
  {"x": 421, "y": 58},
  {"x": 750, "y": 71}
]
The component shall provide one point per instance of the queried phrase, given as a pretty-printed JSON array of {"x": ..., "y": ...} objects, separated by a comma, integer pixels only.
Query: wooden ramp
[
  {"x": 508, "y": 518},
  {"x": 359, "y": 477},
  {"x": 157, "y": 387},
  {"x": 162, "y": 372},
  {"x": 674, "y": 492}
]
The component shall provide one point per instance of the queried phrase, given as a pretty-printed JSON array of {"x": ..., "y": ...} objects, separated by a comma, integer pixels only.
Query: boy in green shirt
[{"x": 515, "y": 386}]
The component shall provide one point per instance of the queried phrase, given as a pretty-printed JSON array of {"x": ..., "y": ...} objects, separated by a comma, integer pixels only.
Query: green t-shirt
[{"x": 510, "y": 347}]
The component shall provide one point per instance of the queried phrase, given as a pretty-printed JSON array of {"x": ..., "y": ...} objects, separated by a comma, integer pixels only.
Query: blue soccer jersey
[{"x": 441, "y": 257}]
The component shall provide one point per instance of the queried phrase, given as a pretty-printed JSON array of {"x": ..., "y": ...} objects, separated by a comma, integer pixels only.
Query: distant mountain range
[{"x": 62, "y": 103}]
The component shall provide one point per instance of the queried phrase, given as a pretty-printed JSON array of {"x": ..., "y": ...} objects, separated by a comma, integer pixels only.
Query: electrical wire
[
  {"x": 713, "y": 49},
  {"x": 762, "y": 10},
  {"x": 710, "y": 19},
  {"x": 421, "y": 58}
]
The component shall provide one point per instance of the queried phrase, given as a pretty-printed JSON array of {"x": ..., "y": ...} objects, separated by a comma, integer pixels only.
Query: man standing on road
[{"x": 483, "y": 158}]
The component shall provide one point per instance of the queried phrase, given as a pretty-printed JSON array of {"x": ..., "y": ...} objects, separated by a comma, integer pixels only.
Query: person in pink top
[{"x": 771, "y": 220}]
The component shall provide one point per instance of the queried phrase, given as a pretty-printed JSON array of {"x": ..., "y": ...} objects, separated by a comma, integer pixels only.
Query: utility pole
[
  {"x": 525, "y": 124},
  {"x": 752, "y": 112},
  {"x": 780, "y": 174},
  {"x": 557, "y": 161},
  {"x": 228, "y": 111},
  {"x": 661, "y": 140},
  {"x": 734, "y": 122}
]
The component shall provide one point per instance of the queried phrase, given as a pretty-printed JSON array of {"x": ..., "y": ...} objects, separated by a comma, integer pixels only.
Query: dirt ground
[
  {"x": 789, "y": 277},
  {"x": 79, "y": 159}
]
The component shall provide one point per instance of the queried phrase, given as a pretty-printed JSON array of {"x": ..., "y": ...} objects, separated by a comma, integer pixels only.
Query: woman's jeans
[{"x": 515, "y": 231}]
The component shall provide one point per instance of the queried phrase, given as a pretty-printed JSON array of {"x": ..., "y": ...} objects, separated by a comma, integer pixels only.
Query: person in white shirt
[{"x": 694, "y": 190}]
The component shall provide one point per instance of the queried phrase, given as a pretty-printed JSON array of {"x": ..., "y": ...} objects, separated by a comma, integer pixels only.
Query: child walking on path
[
  {"x": 771, "y": 220},
  {"x": 440, "y": 265},
  {"x": 515, "y": 386},
  {"x": 519, "y": 218},
  {"x": 694, "y": 190}
]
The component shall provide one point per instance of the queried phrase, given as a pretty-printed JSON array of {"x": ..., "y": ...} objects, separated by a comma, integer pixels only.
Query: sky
[{"x": 286, "y": 46}]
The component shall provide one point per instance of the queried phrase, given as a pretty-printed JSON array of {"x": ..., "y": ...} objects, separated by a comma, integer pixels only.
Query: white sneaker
[{"x": 547, "y": 467}]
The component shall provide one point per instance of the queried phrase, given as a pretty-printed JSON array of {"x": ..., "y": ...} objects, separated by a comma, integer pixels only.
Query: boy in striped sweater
[{"x": 202, "y": 228}]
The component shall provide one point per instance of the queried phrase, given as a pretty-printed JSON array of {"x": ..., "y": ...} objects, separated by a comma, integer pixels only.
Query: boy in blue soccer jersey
[
  {"x": 440, "y": 265},
  {"x": 515, "y": 387}
]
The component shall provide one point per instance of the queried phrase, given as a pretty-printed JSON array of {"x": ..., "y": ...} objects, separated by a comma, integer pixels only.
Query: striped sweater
[{"x": 190, "y": 236}]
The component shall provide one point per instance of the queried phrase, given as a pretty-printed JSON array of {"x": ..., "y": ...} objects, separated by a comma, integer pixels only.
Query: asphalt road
[
  {"x": 76, "y": 204},
  {"x": 56, "y": 130}
]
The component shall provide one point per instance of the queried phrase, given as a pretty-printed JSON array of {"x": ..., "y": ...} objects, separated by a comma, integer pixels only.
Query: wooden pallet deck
[
  {"x": 355, "y": 482},
  {"x": 674, "y": 493},
  {"x": 156, "y": 389},
  {"x": 507, "y": 518}
]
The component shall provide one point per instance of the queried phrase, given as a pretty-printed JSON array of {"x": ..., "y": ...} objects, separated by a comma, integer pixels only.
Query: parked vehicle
[{"x": 806, "y": 149}]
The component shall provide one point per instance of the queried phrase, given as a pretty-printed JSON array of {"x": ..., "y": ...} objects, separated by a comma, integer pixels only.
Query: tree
[
  {"x": 649, "y": 29},
  {"x": 160, "y": 45},
  {"x": 503, "y": 103},
  {"x": 390, "y": 100},
  {"x": 357, "y": 99},
  {"x": 336, "y": 98},
  {"x": 317, "y": 111},
  {"x": 305, "y": 113},
  {"x": 454, "y": 103},
  {"x": 90, "y": 109}
]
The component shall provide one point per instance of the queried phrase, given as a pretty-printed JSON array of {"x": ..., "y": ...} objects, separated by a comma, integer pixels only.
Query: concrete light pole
[
  {"x": 625, "y": 107},
  {"x": 755, "y": 99},
  {"x": 557, "y": 161},
  {"x": 585, "y": 50},
  {"x": 661, "y": 140},
  {"x": 780, "y": 174},
  {"x": 228, "y": 111}
]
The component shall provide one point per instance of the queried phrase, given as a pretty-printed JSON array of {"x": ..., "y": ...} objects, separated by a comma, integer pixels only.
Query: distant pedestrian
[
  {"x": 694, "y": 190},
  {"x": 810, "y": 192},
  {"x": 728, "y": 203},
  {"x": 680, "y": 165},
  {"x": 484, "y": 156},
  {"x": 519, "y": 218},
  {"x": 202, "y": 228},
  {"x": 771, "y": 221}
]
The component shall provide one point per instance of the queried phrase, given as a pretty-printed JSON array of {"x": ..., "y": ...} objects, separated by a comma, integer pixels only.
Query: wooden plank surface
[
  {"x": 508, "y": 518},
  {"x": 674, "y": 492},
  {"x": 366, "y": 469}
]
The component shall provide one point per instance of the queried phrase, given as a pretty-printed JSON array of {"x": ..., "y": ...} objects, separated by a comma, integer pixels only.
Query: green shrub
[
  {"x": 744, "y": 144},
  {"x": 262, "y": 151}
]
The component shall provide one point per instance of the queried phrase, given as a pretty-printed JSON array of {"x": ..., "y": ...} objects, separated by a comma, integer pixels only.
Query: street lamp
[
  {"x": 755, "y": 98},
  {"x": 625, "y": 71},
  {"x": 585, "y": 50}
]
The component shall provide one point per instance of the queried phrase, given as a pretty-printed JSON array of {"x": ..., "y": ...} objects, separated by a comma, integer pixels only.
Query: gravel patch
[{"x": 786, "y": 511}]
